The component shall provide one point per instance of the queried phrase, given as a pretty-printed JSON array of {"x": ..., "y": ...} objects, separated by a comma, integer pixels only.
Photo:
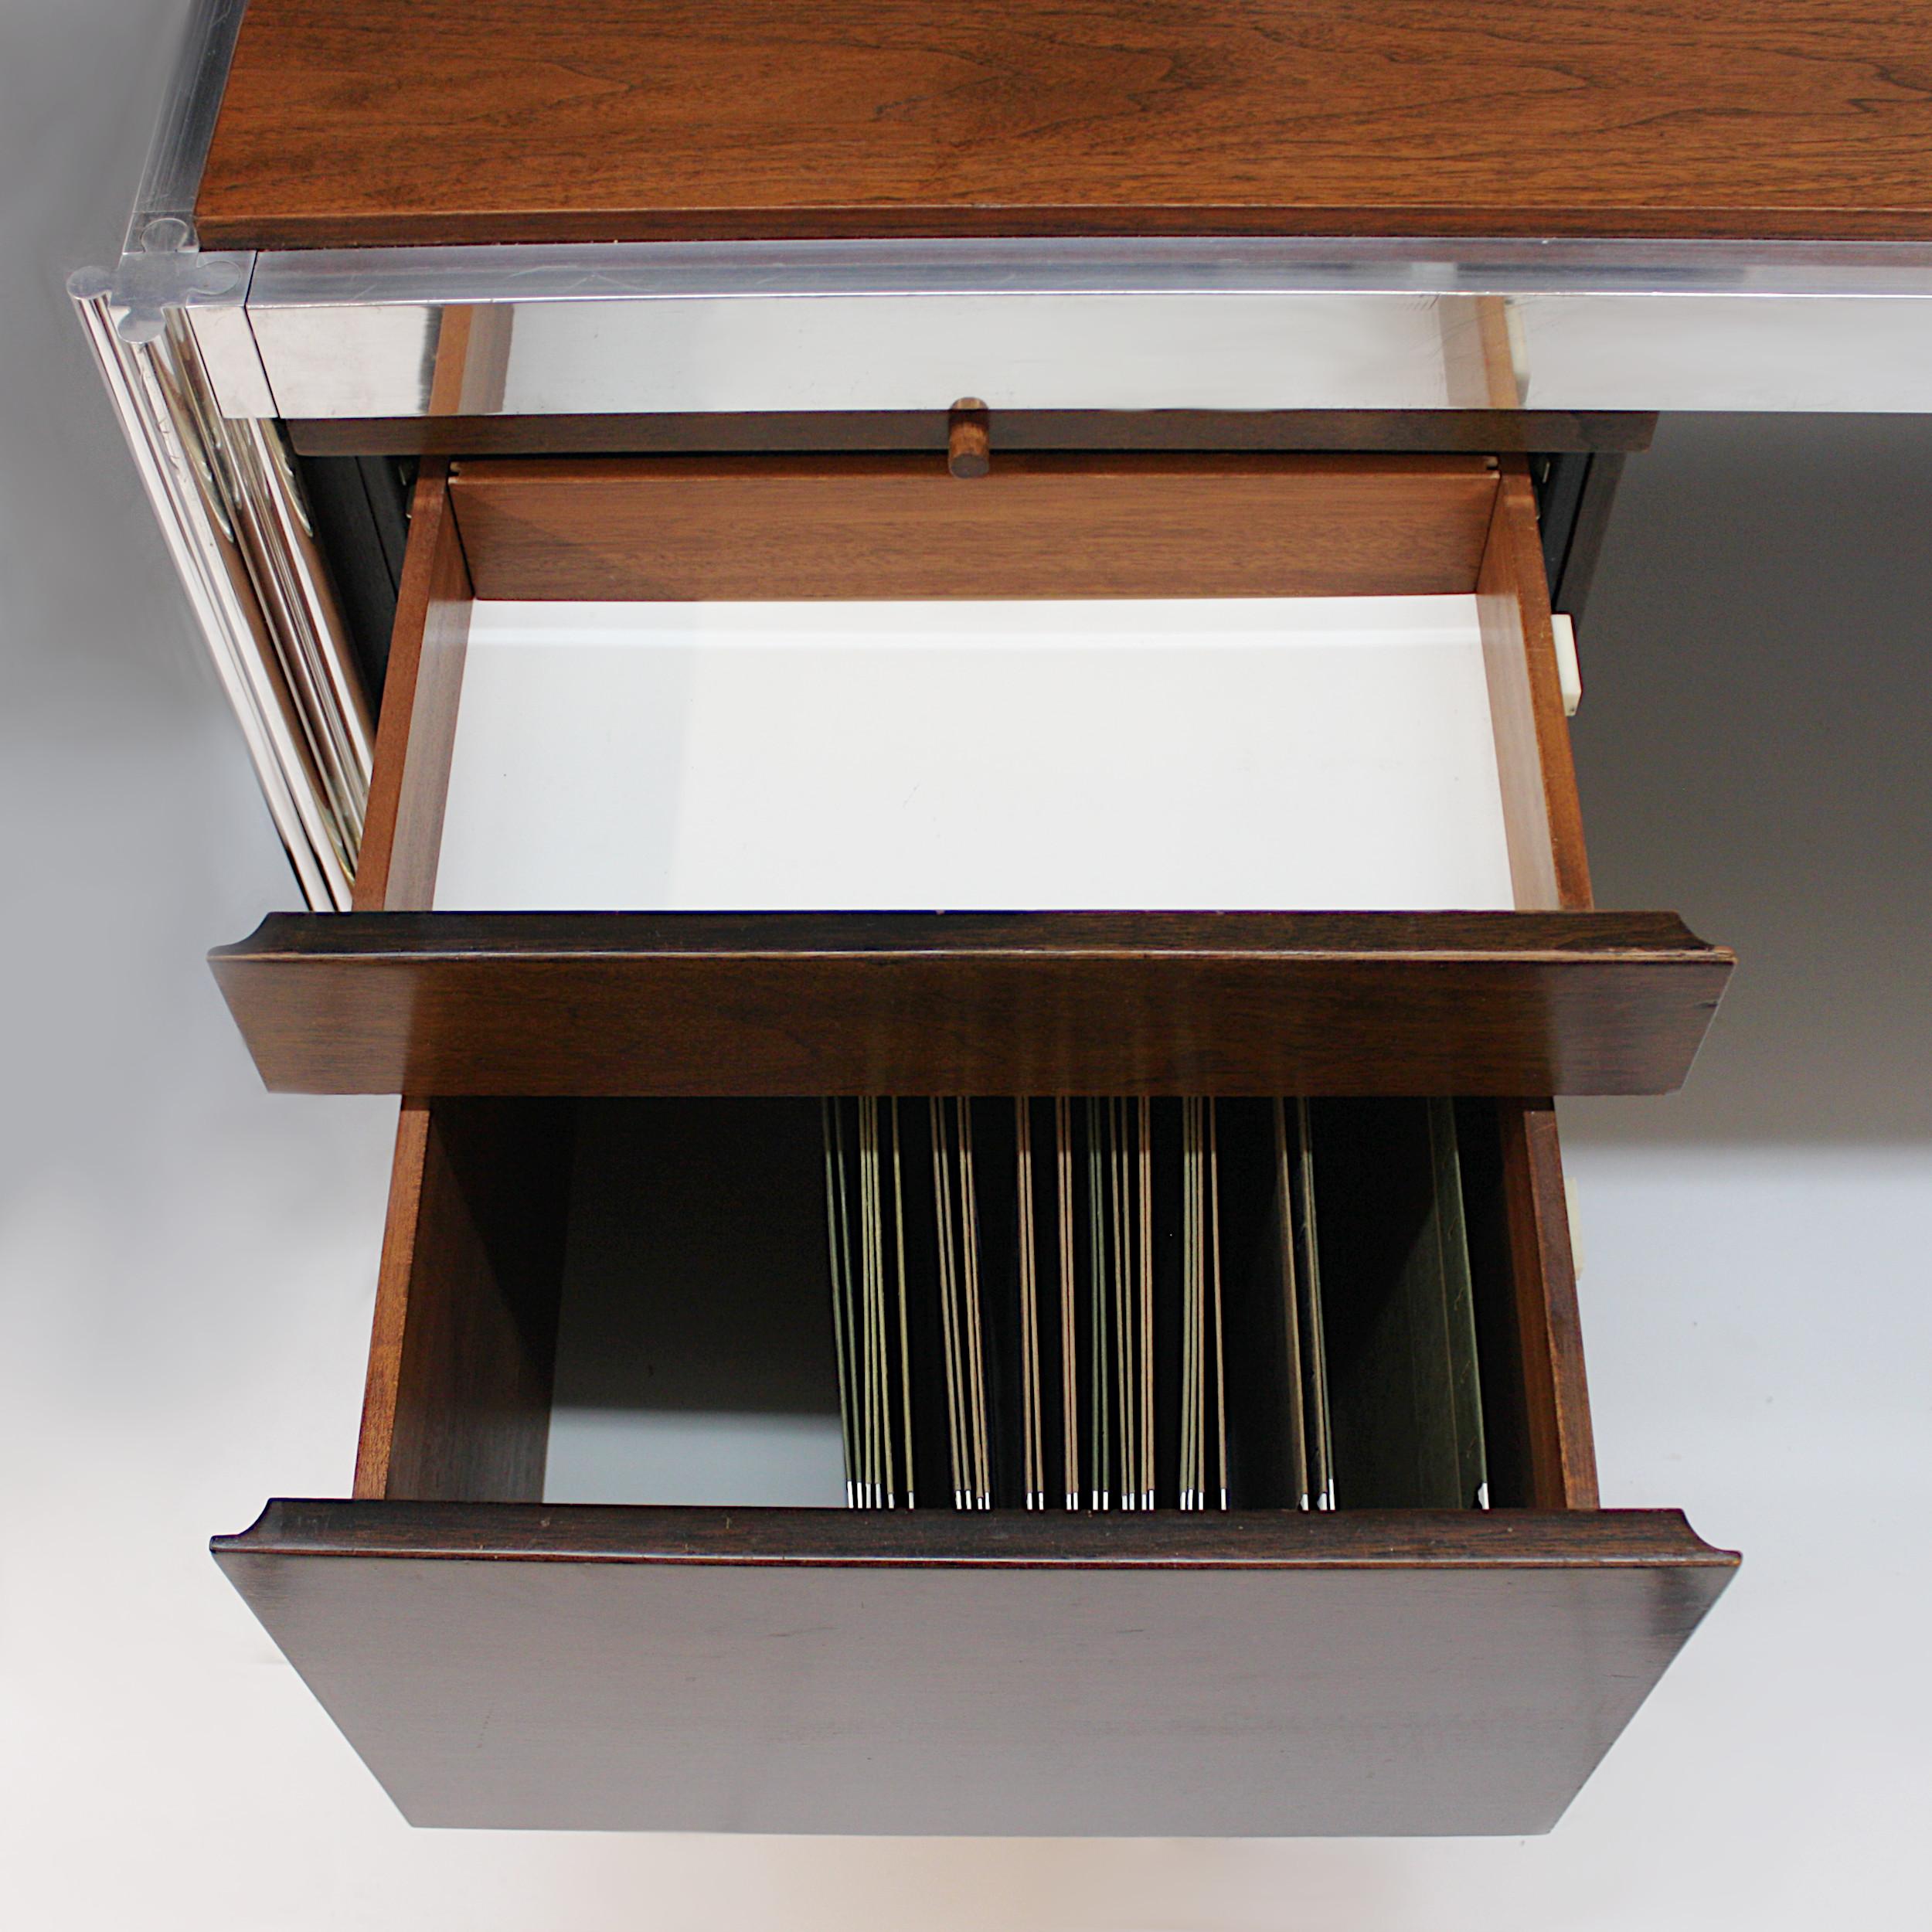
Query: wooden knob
[{"x": 969, "y": 438}]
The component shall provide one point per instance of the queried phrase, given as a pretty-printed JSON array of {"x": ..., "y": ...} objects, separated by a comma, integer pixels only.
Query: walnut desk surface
[{"x": 348, "y": 122}]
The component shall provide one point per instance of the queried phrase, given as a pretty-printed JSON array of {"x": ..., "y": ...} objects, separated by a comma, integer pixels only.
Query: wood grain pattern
[
  {"x": 1476, "y": 1003},
  {"x": 458, "y": 1405},
  {"x": 827, "y": 1671},
  {"x": 1542, "y": 819},
  {"x": 346, "y": 122},
  {"x": 1479, "y": 432},
  {"x": 1562, "y": 1450},
  {"x": 409, "y": 783},
  {"x": 376, "y": 1439},
  {"x": 1038, "y": 526}
]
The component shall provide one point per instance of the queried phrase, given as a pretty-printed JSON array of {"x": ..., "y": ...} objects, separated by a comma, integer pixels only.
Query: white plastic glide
[
  {"x": 1317, "y": 754},
  {"x": 1570, "y": 670}
]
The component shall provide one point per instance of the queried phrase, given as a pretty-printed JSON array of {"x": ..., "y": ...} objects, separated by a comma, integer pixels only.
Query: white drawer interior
[{"x": 1232, "y": 754}]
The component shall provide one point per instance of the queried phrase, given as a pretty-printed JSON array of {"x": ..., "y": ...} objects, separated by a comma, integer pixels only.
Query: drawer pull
[{"x": 968, "y": 439}]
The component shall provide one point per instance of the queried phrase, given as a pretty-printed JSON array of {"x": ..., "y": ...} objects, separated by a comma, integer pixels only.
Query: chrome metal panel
[
  {"x": 1143, "y": 324},
  {"x": 1852, "y": 353},
  {"x": 1098, "y": 351},
  {"x": 1388, "y": 351},
  {"x": 231, "y": 511},
  {"x": 352, "y": 361},
  {"x": 233, "y": 363}
]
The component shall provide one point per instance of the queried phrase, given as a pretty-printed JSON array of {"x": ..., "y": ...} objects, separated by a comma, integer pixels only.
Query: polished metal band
[
  {"x": 229, "y": 504},
  {"x": 1259, "y": 324}
]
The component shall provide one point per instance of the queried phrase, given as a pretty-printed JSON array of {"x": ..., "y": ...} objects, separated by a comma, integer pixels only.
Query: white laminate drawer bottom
[{"x": 1311, "y": 754}]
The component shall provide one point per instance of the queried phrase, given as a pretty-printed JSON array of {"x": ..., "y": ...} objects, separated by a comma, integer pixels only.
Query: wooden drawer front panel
[
  {"x": 1500, "y": 1004},
  {"x": 587, "y": 1668},
  {"x": 348, "y": 122}
]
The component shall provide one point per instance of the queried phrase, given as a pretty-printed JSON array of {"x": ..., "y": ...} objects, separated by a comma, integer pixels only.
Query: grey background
[{"x": 187, "y": 1265}]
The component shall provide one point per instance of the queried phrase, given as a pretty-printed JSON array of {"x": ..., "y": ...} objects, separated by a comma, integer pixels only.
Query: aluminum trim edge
[{"x": 226, "y": 496}]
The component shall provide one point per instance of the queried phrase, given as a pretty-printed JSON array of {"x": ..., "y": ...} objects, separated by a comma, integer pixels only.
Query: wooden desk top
[{"x": 349, "y": 122}]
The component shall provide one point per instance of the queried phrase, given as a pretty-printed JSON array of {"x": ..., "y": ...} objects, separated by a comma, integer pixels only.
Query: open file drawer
[
  {"x": 501, "y": 1659},
  {"x": 504, "y": 1646}
]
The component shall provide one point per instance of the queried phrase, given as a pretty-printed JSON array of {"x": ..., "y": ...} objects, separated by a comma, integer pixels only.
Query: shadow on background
[{"x": 1755, "y": 751}]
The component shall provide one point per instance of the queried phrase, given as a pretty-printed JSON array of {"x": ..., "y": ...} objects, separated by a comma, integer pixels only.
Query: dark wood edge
[
  {"x": 462, "y": 1350},
  {"x": 1561, "y": 1453},
  {"x": 827, "y": 468},
  {"x": 1258, "y": 1540},
  {"x": 1560, "y": 937},
  {"x": 1515, "y": 524},
  {"x": 1471, "y": 431},
  {"x": 409, "y": 785},
  {"x": 389, "y": 1329},
  {"x": 1542, "y": 816},
  {"x": 997, "y": 221}
]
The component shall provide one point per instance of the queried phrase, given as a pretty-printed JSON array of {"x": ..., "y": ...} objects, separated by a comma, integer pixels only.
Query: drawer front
[
  {"x": 1486, "y": 1003},
  {"x": 629, "y": 1669}
]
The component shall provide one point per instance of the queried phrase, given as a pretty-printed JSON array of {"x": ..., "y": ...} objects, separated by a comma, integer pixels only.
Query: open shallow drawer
[
  {"x": 631, "y": 700},
  {"x": 595, "y": 1576}
]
